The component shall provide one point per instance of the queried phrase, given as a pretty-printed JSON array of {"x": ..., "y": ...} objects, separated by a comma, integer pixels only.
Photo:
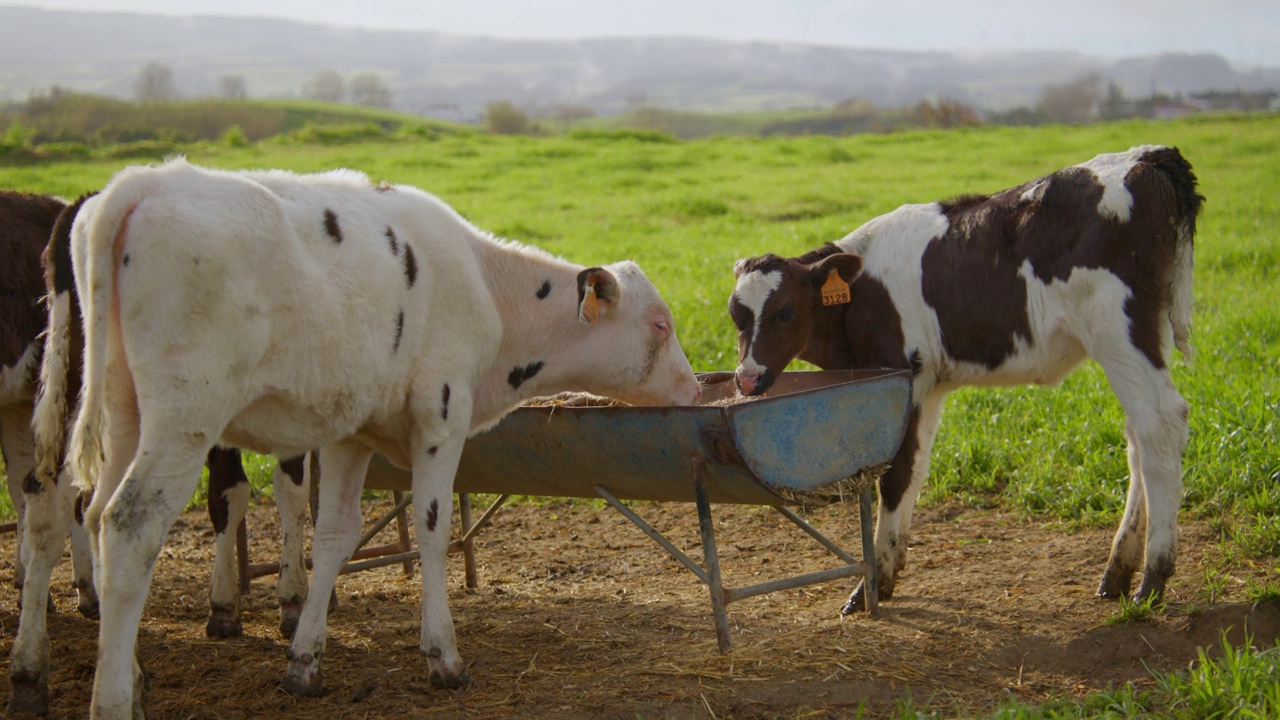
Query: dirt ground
[{"x": 580, "y": 615}]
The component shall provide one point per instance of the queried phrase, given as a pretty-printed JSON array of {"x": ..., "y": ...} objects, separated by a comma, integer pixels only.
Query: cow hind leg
[
  {"x": 49, "y": 510},
  {"x": 292, "y": 484},
  {"x": 16, "y": 445},
  {"x": 1130, "y": 539},
  {"x": 133, "y": 526},
  {"x": 1157, "y": 430},
  {"x": 228, "y": 503},
  {"x": 899, "y": 488}
]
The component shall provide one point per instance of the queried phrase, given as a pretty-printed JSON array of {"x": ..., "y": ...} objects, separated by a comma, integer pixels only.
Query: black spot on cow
[
  {"x": 433, "y": 515},
  {"x": 433, "y": 450},
  {"x": 331, "y": 225},
  {"x": 399, "y": 331},
  {"x": 915, "y": 362},
  {"x": 519, "y": 375},
  {"x": 545, "y": 290},
  {"x": 125, "y": 260},
  {"x": 391, "y": 240},
  {"x": 294, "y": 469},
  {"x": 30, "y": 485},
  {"x": 444, "y": 403},
  {"x": 410, "y": 266}
]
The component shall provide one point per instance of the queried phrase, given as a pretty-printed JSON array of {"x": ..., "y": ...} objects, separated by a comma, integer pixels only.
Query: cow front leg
[
  {"x": 228, "y": 504},
  {"x": 82, "y": 561},
  {"x": 49, "y": 509},
  {"x": 292, "y": 482},
  {"x": 433, "y": 474},
  {"x": 342, "y": 468},
  {"x": 899, "y": 488}
]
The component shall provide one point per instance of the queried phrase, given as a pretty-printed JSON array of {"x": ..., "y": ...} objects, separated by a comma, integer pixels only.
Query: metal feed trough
[{"x": 812, "y": 430}]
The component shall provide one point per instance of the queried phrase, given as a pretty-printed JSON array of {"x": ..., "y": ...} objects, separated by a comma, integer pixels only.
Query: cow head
[
  {"x": 631, "y": 340},
  {"x": 774, "y": 305}
]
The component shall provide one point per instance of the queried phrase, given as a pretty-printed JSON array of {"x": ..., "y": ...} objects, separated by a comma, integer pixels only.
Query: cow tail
[
  {"x": 1178, "y": 170},
  {"x": 95, "y": 240}
]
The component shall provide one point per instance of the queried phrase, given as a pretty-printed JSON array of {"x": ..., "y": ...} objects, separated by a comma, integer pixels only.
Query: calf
[
  {"x": 281, "y": 313},
  {"x": 40, "y": 496},
  {"x": 1016, "y": 287}
]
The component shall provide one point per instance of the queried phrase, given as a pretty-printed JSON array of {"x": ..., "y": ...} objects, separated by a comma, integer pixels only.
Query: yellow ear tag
[
  {"x": 590, "y": 311},
  {"x": 835, "y": 291}
]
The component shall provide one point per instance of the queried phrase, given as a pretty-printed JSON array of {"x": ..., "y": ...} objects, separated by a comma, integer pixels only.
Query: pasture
[{"x": 1025, "y": 487}]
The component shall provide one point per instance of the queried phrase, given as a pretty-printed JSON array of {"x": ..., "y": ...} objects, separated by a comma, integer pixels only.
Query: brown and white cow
[
  {"x": 281, "y": 313},
  {"x": 24, "y": 220},
  {"x": 1017, "y": 287}
]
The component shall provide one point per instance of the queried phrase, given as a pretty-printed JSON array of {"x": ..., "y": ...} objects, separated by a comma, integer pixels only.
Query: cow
[
  {"x": 24, "y": 220},
  {"x": 280, "y": 312},
  {"x": 1015, "y": 287}
]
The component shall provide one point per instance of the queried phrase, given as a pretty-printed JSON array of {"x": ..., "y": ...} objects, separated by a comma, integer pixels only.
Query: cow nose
[{"x": 747, "y": 382}]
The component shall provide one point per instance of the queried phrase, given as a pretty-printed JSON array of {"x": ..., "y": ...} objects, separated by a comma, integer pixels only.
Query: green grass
[{"x": 687, "y": 210}]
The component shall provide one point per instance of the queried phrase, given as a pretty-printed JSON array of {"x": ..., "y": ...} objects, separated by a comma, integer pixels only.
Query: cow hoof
[
  {"x": 28, "y": 693},
  {"x": 303, "y": 679},
  {"x": 452, "y": 682},
  {"x": 290, "y": 611},
  {"x": 221, "y": 626},
  {"x": 1115, "y": 584},
  {"x": 1151, "y": 590},
  {"x": 88, "y": 606}
]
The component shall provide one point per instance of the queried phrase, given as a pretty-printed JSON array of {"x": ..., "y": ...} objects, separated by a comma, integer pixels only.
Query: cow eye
[
  {"x": 662, "y": 327},
  {"x": 784, "y": 315}
]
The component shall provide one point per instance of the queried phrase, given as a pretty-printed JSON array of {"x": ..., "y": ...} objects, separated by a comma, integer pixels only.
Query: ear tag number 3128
[{"x": 835, "y": 291}]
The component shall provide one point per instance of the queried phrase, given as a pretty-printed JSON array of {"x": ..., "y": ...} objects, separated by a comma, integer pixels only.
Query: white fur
[
  {"x": 238, "y": 318},
  {"x": 1111, "y": 169}
]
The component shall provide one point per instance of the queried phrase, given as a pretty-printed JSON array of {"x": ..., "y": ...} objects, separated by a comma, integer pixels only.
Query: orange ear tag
[
  {"x": 835, "y": 291},
  {"x": 589, "y": 311}
]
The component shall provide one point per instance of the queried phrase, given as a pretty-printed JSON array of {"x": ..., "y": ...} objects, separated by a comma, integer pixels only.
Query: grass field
[{"x": 687, "y": 210}]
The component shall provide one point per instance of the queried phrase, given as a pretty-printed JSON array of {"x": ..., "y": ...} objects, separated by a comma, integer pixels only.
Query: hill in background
[{"x": 455, "y": 76}]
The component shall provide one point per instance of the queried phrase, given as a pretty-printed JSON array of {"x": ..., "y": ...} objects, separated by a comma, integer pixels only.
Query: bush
[
  {"x": 234, "y": 137},
  {"x": 504, "y": 118}
]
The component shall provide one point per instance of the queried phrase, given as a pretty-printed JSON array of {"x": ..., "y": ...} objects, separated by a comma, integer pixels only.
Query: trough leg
[
  {"x": 711, "y": 559},
  {"x": 468, "y": 546}
]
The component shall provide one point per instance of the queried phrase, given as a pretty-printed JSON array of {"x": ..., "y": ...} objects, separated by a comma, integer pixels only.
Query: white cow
[{"x": 281, "y": 313}]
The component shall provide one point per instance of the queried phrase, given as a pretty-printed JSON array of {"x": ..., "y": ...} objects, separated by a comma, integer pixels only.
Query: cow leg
[
  {"x": 82, "y": 561},
  {"x": 49, "y": 510},
  {"x": 16, "y": 444},
  {"x": 337, "y": 532},
  {"x": 1156, "y": 423},
  {"x": 134, "y": 523},
  {"x": 433, "y": 473},
  {"x": 292, "y": 483},
  {"x": 899, "y": 487},
  {"x": 228, "y": 503}
]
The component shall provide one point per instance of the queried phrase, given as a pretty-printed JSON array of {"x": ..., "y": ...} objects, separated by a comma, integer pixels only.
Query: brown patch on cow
[
  {"x": 26, "y": 222},
  {"x": 519, "y": 375},
  {"x": 410, "y": 265},
  {"x": 384, "y": 186},
  {"x": 391, "y": 240},
  {"x": 225, "y": 473},
  {"x": 395, "y": 347},
  {"x": 897, "y": 477},
  {"x": 979, "y": 320},
  {"x": 294, "y": 469},
  {"x": 444, "y": 403},
  {"x": 433, "y": 515},
  {"x": 331, "y": 225},
  {"x": 433, "y": 450}
]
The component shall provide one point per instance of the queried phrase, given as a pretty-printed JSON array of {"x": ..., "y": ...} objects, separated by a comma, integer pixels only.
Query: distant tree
[
  {"x": 1074, "y": 102},
  {"x": 368, "y": 89},
  {"x": 327, "y": 85},
  {"x": 154, "y": 83},
  {"x": 566, "y": 114},
  {"x": 232, "y": 87},
  {"x": 946, "y": 113},
  {"x": 1114, "y": 104},
  {"x": 504, "y": 118}
]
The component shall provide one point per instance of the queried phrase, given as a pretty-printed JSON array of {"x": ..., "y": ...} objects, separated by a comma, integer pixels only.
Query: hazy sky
[{"x": 1245, "y": 31}]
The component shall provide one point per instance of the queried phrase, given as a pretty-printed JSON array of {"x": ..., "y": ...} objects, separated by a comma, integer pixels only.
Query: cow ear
[
  {"x": 846, "y": 265},
  {"x": 739, "y": 266},
  {"x": 596, "y": 287},
  {"x": 832, "y": 276}
]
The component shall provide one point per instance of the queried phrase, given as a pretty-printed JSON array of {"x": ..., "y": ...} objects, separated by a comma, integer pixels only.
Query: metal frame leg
[{"x": 711, "y": 558}]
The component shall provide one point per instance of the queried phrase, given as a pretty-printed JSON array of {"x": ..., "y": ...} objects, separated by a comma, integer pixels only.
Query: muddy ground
[{"x": 579, "y": 615}]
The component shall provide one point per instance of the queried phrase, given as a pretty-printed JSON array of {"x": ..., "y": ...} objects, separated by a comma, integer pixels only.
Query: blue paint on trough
[{"x": 813, "y": 429}]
